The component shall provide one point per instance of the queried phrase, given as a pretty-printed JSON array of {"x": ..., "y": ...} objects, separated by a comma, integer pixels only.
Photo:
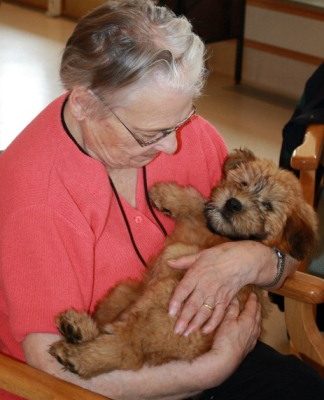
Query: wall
[
  {"x": 283, "y": 42},
  {"x": 283, "y": 46}
]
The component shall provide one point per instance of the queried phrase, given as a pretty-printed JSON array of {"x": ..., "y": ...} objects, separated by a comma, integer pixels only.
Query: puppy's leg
[
  {"x": 177, "y": 201},
  {"x": 117, "y": 301},
  {"x": 105, "y": 353},
  {"x": 77, "y": 327}
]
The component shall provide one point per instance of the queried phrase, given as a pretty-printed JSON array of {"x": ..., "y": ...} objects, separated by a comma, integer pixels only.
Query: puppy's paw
[
  {"x": 177, "y": 201},
  {"x": 76, "y": 327},
  {"x": 159, "y": 197},
  {"x": 69, "y": 356}
]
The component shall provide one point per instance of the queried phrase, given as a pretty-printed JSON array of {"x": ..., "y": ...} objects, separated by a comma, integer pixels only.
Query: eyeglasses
[{"x": 157, "y": 135}]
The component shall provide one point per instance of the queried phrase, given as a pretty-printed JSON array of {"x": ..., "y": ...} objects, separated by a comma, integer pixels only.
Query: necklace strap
[
  {"x": 139, "y": 255},
  {"x": 129, "y": 230},
  {"x": 148, "y": 201}
]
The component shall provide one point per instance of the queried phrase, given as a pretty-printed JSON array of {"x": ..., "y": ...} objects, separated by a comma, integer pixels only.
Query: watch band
[{"x": 280, "y": 268}]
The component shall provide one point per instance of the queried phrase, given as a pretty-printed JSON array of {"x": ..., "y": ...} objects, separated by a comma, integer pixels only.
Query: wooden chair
[
  {"x": 32, "y": 384},
  {"x": 303, "y": 292}
]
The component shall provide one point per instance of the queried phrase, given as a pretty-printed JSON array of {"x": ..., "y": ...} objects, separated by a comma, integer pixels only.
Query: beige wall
[
  {"x": 274, "y": 28},
  {"x": 282, "y": 50}
]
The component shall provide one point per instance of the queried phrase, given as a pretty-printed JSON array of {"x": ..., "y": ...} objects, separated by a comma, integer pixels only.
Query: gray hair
[{"x": 121, "y": 42}]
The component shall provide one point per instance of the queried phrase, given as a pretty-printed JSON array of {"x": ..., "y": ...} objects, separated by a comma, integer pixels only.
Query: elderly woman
[{"x": 75, "y": 216}]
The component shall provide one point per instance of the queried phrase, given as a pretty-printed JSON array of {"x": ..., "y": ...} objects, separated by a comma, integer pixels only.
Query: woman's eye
[
  {"x": 267, "y": 205},
  {"x": 146, "y": 135}
]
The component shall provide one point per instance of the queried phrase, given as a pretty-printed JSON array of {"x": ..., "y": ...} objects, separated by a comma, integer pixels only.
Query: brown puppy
[{"x": 131, "y": 326}]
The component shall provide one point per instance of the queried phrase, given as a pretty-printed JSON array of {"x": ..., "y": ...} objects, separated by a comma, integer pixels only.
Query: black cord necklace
[{"x": 130, "y": 233}]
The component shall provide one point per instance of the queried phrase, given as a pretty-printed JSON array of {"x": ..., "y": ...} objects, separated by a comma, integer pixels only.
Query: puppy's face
[
  {"x": 250, "y": 203},
  {"x": 256, "y": 200}
]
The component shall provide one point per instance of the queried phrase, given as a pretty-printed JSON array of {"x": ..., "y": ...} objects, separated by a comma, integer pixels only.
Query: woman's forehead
[
  {"x": 153, "y": 107},
  {"x": 148, "y": 92}
]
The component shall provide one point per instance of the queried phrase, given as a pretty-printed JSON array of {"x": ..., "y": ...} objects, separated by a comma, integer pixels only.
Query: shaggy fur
[{"x": 131, "y": 325}]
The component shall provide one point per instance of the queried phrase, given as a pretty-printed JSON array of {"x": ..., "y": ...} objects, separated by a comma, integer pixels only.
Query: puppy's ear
[
  {"x": 236, "y": 157},
  {"x": 300, "y": 234}
]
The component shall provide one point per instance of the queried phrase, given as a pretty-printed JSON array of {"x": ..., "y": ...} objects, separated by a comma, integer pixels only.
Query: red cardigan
[{"x": 63, "y": 241}]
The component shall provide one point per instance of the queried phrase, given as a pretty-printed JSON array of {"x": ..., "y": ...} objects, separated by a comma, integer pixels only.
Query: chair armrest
[
  {"x": 303, "y": 287},
  {"x": 307, "y": 156},
  {"x": 22, "y": 380}
]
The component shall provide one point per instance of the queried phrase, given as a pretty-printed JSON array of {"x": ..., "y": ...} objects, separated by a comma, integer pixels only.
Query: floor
[{"x": 30, "y": 48}]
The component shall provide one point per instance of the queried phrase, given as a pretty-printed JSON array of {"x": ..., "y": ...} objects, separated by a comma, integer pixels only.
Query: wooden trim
[
  {"x": 308, "y": 155},
  {"x": 30, "y": 383},
  {"x": 290, "y": 7},
  {"x": 303, "y": 287},
  {"x": 280, "y": 51}
]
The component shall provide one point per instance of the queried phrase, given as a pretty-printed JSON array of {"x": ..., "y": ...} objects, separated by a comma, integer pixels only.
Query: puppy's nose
[{"x": 233, "y": 205}]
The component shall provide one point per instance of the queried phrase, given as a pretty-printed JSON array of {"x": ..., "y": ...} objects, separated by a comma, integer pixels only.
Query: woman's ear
[{"x": 80, "y": 102}]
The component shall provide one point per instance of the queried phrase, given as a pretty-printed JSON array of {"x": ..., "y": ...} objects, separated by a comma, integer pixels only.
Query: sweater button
[{"x": 138, "y": 219}]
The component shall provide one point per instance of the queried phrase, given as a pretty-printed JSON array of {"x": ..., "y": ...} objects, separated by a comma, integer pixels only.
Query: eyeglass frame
[{"x": 165, "y": 132}]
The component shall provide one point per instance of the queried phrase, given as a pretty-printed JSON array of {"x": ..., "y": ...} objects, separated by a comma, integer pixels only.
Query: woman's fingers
[
  {"x": 189, "y": 309},
  {"x": 184, "y": 261},
  {"x": 215, "y": 318},
  {"x": 199, "y": 310},
  {"x": 209, "y": 321},
  {"x": 251, "y": 308},
  {"x": 180, "y": 294},
  {"x": 233, "y": 310},
  {"x": 239, "y": 330},
  {"x": 250, "y": 317},
  {"x": 205, "y": 313},
  {"x": 194, "y": 303}
]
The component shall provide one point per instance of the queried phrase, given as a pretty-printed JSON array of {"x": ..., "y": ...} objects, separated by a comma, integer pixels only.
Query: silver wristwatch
[{"x": 280, "y": 268}]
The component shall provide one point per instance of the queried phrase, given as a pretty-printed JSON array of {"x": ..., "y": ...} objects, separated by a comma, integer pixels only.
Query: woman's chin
[{"x": 142, "y": 161}]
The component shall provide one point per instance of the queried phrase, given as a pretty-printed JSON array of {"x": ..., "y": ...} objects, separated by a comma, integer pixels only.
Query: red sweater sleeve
[{"x": 49, "y": 255}]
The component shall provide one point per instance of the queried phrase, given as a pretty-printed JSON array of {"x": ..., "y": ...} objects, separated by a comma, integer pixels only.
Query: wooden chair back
[{"x": 300, "y": 312}]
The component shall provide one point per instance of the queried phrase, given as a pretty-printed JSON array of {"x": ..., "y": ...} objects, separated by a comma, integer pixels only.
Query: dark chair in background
[{"x": 215, "y": 21}]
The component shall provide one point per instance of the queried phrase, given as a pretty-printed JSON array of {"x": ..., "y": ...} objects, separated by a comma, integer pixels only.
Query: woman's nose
[{"x": 169, "y": 144}]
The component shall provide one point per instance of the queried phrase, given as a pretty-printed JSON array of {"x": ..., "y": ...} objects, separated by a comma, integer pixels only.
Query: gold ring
[{"x": 208, "y": 306}]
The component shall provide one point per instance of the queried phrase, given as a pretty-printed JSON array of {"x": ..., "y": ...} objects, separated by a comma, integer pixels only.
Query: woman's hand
[
  {"x": 213, "y": 279},
  {"x": 239, "y": 332},
  {"x": 235, "y": 337}
]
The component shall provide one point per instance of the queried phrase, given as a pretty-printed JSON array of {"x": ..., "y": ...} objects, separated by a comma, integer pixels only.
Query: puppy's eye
[
  {"x": 267, "y": 205},
  {"x": 243, "y": 183}
]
